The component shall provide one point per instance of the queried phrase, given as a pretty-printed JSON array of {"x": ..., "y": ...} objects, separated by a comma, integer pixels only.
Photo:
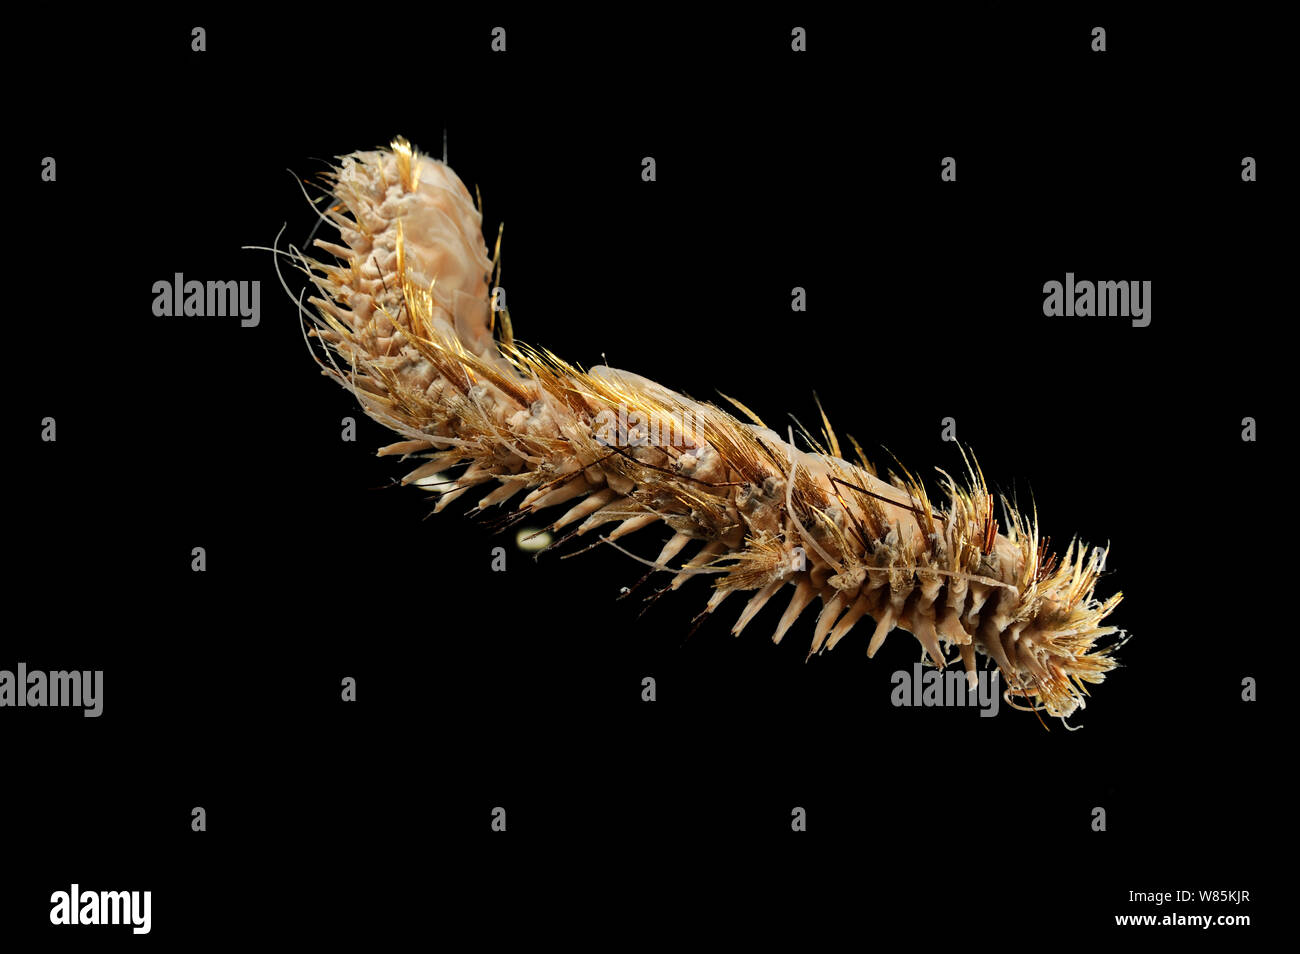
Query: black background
[{"x": 478, "y": 689}]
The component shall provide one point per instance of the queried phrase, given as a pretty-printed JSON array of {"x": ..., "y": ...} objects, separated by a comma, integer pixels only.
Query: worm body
[{"x": 407, "y": 308}]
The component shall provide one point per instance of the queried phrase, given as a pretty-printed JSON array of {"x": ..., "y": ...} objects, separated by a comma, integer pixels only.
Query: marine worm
[{"x": 408, "y": 325}]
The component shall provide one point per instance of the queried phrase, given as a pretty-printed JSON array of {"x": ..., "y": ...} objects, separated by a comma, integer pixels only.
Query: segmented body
[{"x": 408, "y": 310}]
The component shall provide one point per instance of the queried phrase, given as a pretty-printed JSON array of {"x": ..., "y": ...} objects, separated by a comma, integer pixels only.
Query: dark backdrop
[{"x": 522, "y": 690}]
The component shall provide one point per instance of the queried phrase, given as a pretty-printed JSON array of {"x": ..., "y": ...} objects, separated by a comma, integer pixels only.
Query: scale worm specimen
[{"x": 407, "y": 308}]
